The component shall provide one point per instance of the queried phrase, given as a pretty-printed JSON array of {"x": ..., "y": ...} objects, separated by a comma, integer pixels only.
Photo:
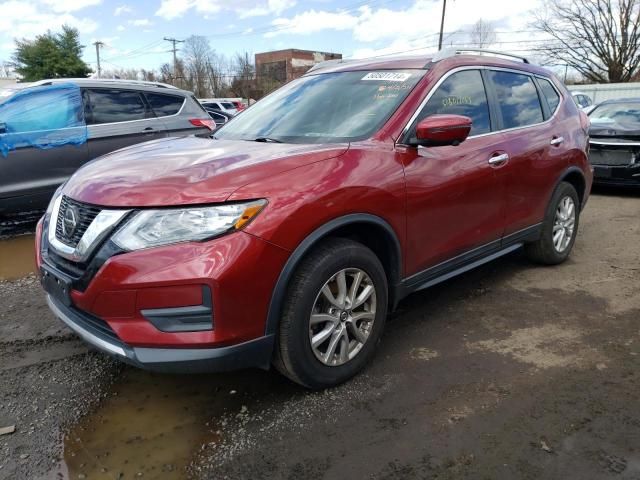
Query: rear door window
[
  {"x": 550, "y": 93},
  {"x": 518, "y": 100},
  {"x": 114, "y": 106},
  {"x": 164, "y": 105},
  {"x": 462, "y": 93}
]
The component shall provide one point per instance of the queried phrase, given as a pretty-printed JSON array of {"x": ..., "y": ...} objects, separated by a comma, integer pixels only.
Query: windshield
[
  {"x": 623, "y": 113},
  {"x": 330, "y": 107}
]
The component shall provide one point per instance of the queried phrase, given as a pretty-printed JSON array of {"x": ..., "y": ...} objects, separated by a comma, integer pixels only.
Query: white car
[
  {"x": 217, "y": 104},
  {"x": 583, "y": 101}
]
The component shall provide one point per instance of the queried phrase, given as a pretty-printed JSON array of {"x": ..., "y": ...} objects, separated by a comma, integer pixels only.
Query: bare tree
[
  {"x": 482, "y": 34},
  {"x": 196, "y": 57},
  {"x": 244, "y": 75},
  {"x": 598, "y": 38}
]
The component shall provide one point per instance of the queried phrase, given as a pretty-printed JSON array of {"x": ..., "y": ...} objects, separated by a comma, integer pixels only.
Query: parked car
[
  {"x": 225, "y": 106},
  {"x": 219, "y": 116},
  {"x": 288, "y": 236},
  {"x": 615, "y": 142},
  {"x": 50, "y": 128},
  {"x": 583, "y": 101}
]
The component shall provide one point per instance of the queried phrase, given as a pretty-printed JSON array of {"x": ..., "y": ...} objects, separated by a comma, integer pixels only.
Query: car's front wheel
[{"x": 333, "y": 316}]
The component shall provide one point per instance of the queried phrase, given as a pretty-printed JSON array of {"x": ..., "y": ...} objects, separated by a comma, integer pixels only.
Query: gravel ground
[{"x": 510, "y": 371}]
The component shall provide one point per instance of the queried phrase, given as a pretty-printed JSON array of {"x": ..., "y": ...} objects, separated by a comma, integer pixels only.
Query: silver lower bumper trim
[{"x": 86, "y": 336}]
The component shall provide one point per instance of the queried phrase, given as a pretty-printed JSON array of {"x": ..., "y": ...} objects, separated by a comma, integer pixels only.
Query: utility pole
[
  {"x": 175, "y": 58},
  {"x": 444, "y": 8},
  {"x": 98, "y": 44}
]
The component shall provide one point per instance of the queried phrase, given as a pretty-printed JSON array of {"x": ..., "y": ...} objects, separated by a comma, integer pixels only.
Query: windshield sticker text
[
  {"x": 451, "y": 101},
  {"x": 387, "y": 76}
]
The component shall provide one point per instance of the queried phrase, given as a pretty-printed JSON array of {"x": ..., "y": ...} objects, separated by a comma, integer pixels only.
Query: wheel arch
[
  {"x": 575, "y": 177},
  {"x": 371, "y": 230}
]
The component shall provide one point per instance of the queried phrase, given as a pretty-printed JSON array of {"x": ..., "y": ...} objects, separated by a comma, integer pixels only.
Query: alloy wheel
[
  {"x": 564, "y": 224},
  {"x": 342, "y": 316}
]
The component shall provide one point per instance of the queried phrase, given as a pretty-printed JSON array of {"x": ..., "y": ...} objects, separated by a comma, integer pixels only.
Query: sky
[{"x": 133, "y": 31}]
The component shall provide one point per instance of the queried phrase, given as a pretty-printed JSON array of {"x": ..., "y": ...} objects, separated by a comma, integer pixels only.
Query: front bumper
[
  {"x": 616, "y": 176},
  {"x": 253, "y": 353}
]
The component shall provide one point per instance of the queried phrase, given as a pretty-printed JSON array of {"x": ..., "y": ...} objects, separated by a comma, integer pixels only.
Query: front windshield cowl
[{"x": 325, "y": 108}]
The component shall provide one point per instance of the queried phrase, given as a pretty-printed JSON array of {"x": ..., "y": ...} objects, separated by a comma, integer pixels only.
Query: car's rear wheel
[
  {"x": 333, "y": 316},
  {"x": 559, "y": 229}
]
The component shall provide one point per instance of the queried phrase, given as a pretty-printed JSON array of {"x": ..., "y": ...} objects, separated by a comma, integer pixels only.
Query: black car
[
  {"x": 615, "y": 142},
  {"x": 218, "y": 116}
]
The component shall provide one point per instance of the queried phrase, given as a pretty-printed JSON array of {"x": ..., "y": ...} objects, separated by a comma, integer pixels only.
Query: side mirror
[{"x": 439, "y": 130}]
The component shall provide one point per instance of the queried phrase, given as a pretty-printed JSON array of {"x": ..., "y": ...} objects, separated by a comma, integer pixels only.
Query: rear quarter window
[
  {"x": 164, "y": 105},
  {"x": 518, "y": 99},
  {"x": 550, "y": 94}
]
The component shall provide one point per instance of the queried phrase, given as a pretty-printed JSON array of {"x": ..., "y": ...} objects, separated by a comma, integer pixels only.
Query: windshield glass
[
  {"x": 330, "y": 107},
  {"x": 624, "y": 113}
]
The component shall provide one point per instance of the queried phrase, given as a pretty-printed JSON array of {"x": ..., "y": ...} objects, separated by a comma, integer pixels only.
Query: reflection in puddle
[
  {"x": 17, "y": 257},
  {"x": 152, "y": 425}
]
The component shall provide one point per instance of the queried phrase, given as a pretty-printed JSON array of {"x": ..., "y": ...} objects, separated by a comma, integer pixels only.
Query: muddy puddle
[
  {"x": 151, "y": 426},
  {"x": 16, "y": 257}
]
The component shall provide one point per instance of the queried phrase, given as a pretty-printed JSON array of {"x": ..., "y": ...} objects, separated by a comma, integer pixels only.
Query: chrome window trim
[
  {"x": 97, "y": 230},
  {"x": 184, "y": 102},
  {"x": 407, "y": 127}
]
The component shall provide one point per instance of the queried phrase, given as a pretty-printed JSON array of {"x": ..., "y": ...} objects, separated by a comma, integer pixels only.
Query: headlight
[{"x": 151, "y": 228}]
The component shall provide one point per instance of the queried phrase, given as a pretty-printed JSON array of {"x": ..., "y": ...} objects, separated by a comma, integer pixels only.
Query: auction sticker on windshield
[{"x": 387, "y": 76}]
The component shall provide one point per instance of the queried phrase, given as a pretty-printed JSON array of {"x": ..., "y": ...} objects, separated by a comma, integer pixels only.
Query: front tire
[
  {"x": 333, "y": 315},
  {"x": 559, "y": 228}
]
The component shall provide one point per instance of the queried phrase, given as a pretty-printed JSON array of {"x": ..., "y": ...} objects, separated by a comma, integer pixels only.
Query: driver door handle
[
  {"x": 499, "y": 159},
  {"x": 557, "y": 141}
]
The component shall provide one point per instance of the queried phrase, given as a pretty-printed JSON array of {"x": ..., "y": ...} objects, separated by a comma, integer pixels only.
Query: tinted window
[
  {"x": 462, "y": 93},
  {"x": 228, "y": 105},
  {"x": 49, "y": 109},
  {"x": 517, "y": 99},
  {"x": 164, "y": 105},
  {"x": 111, "y": 106},
  {"x": 550, "y": 93}
]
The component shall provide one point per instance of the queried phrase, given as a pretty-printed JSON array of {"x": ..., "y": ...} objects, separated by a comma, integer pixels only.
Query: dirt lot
[{"x": 511, "y": 371}]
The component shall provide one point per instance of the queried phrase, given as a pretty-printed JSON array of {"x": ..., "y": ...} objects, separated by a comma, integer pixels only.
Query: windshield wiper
[{"x": 267, "y": 140}]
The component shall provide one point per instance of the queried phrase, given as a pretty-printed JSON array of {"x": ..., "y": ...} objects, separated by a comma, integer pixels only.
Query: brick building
[{"x": 282, "y": 66}]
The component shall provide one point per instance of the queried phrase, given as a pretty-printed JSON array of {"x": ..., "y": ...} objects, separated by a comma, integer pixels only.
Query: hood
[
  {"x": 188, "y": 170},
  {"x": 604, "y": 127}
]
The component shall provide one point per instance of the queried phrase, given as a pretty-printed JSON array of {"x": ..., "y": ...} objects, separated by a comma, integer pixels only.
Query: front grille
[
  {"x": 611, "y": 157},
  {"x": 84, "y": 215}
]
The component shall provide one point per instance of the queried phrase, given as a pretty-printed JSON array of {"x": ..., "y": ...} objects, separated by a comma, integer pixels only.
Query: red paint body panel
[
  {"x": 188, "y": 170},
  {"x": 439, "y": 201},
  {"x": 240, "y": 269}
]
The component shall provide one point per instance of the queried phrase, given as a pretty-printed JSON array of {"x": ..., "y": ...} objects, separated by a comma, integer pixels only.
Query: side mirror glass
[{"x": 439, "y": 130}]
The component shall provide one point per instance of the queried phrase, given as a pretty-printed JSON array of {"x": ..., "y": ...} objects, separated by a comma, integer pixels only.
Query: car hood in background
[
  {"x": 188, "y": 170},
  {"x": 608, "y": 128}
]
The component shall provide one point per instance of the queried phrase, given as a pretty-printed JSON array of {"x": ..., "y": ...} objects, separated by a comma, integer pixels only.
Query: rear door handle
[
  {"x": 557, "y": 141},
  {"x": 499, "y": 159},
  {"x": 148, "y": 131}
]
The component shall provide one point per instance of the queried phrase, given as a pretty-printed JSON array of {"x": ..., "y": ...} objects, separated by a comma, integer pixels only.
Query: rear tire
[
  {"x": 333, "y": 315},
  {"x": 559, "y": 229}
]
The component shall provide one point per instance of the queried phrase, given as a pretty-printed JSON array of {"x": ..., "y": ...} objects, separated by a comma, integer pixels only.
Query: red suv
[{"x": 287, "y": 237}]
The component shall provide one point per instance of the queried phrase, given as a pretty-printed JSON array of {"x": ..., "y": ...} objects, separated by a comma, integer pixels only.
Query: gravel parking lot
[{"x": 510, "y": 371}]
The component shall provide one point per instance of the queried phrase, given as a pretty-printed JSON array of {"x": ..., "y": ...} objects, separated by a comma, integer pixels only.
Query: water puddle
[
  {"x": 151, "y": 426},
  {"x": 17, "y": 257}
]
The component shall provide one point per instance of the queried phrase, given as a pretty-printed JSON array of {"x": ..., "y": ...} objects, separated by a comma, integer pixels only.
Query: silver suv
[{"x": 48, "y": 129}]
